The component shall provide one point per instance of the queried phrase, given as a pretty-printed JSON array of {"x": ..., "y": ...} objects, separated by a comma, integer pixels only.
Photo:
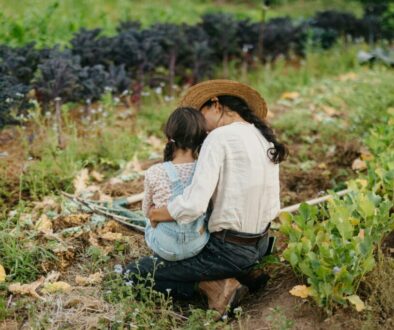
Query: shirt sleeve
[
  {"x": 147, "y": 202},
  {"x": 194, "y": 201}
]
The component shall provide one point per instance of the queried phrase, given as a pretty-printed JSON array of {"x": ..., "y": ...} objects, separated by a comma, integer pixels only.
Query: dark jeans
[{"x": 218, "y": 260}]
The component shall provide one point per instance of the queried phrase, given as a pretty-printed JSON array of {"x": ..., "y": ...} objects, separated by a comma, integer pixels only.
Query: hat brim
[{"x": 197, "y": 95}]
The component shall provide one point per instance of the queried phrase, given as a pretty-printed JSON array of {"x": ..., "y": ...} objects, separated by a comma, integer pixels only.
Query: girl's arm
[
  {"x": 147, "y": 202},
  {"x": 195, "y": 198}
]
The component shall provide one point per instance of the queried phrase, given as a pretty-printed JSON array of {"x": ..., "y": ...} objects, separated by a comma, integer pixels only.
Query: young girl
[{"x": 185, "y": 131}]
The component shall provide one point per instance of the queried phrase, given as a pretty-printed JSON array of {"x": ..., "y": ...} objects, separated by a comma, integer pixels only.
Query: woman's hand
[
  {"x": 153, "y": 223},
  {"x": 159, "y": 215}
]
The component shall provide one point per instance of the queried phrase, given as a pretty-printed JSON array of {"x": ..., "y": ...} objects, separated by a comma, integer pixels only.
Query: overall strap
[
  {"x": 171, "y": 172},
  {"x": 192, "y": 175}
]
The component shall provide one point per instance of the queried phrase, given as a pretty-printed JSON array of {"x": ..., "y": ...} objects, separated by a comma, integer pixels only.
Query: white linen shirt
[{"x": 234, "y": 170}]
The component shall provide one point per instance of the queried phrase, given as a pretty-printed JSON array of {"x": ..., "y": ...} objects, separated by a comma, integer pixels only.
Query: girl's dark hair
[
  {"x": 278, "y": 152},
  {"x": 185, "y": 129}
]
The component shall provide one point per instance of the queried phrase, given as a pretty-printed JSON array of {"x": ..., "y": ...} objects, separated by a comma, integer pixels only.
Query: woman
[{"x": 237, "y": 171}]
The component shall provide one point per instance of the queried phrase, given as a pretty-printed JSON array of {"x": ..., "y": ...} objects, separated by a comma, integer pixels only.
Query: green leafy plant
[{"x": 334, "y": 246}]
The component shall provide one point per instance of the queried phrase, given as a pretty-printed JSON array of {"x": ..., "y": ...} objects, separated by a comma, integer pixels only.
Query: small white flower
[
  {"x": 238, "y": 309},
  {"x": 116, "y": 99},
  {"x": 108, "y": 89},
  {"x": 8, "y": 100},
  {"x": 129, "y": 283},
  {"x": 19, "y": 95},
  {"x": 13, "y": 213},
  {"x": 336, "y": 270},
  {"x": 158, "y": 90},
  {"x": 145, "y": 93},
  {"x": 168, "y": 291},
  {"x": 118, "y": 269},
  {"x": 168, "y": 98}
]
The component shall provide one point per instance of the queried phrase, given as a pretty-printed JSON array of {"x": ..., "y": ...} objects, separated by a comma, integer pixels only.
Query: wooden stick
[
  {"x": 135, "y": 198},
  {"x": 295, "y": 207}
]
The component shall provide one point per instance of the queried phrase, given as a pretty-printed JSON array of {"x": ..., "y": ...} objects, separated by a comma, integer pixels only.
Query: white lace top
[{"x": 157, "y": 187}]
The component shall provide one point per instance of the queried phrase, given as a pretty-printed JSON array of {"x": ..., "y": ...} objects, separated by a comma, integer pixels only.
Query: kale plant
[
  {"x": 92, "y": 81},
  {"x": 222, "y": 31},
  {"x": 198, "y": 56},
  {"x": 58, "y": 77},
  {"x": 21, "y": 62},
  {"x": 282, "y": 37},
  {"x": 12, "y": 96},
  {"x": 92, "y": 48}
]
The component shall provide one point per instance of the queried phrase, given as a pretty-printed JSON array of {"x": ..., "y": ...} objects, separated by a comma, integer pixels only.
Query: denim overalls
[{"x": 174, "y": 241}]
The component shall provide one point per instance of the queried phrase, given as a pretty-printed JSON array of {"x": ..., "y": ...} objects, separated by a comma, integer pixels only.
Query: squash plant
[{"x": 334, "y": 246}]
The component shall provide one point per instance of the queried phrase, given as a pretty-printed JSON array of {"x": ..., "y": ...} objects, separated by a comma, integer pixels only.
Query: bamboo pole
[
  {"x": 292, "y": 208},
  {"x": 295, "y": 207}
]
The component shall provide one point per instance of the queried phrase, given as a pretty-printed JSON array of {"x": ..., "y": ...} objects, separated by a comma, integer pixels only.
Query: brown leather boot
[
  {"x": 255, "y": 279},
  {"x": 223, "y": 294}
]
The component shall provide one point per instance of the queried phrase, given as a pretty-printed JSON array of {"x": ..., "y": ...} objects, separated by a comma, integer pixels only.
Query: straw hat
[{"x": 200, "y": 93}]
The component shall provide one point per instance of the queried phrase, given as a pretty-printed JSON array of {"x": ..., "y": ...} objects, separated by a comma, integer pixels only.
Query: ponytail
[
  {"x": 278, "y": 152},
  {"x": 169, "y": 151}
]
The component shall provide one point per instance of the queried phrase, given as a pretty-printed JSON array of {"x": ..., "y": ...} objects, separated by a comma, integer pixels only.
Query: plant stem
[{"x": 58, "y": 109}]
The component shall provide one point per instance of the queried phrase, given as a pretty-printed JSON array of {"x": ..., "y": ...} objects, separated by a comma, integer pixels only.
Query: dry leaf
[
  {"x": 134, "y": 165},
  {"x": 27, "y": 289},
  {"x": 88, "y": 302},
  {"x": 97, "y": 176},
  {"x": 330, "y": 111},
  {"x": 9, "y": 325},
  {"x": 111, "y": 236},
  {"x": 53, "y": 276},
  {"x": 2, "y": 273},
  {"x": 359, "y": 165},
  {"x": 80, "y": 181},
  {"x": 74, "y": 219},
  {"x": 95, "y": 278},
  {"x": 347, "y": 76},
  {"x": 361, "y": 234},
  {"x": 104, "y": 197},
  {"x": 322, "y": 166},
  {"x": 155, "y": 142},
  {"x": 366, "y": 155},
  {"x": 112, "y": 226},
  {"x": 56, "y": 287},
  {"x": 290, "y": 95},
  {"x": 362, "y": 182},
  {"x": 46, "y": 204},
  {"x": 357, "y": 302},
  {"x": 44, "y": 224},
  {"x": 301, "y": 291},
  {"x": 93, "y": 240}
]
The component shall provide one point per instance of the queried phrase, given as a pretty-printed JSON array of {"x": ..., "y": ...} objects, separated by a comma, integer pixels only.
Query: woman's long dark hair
[
  {"x": 278, "y": 152},
  {"x": 185, "y": 129}
]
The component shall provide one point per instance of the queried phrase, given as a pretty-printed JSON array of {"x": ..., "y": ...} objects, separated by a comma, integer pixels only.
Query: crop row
[{"x": 167, "y": 54}]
